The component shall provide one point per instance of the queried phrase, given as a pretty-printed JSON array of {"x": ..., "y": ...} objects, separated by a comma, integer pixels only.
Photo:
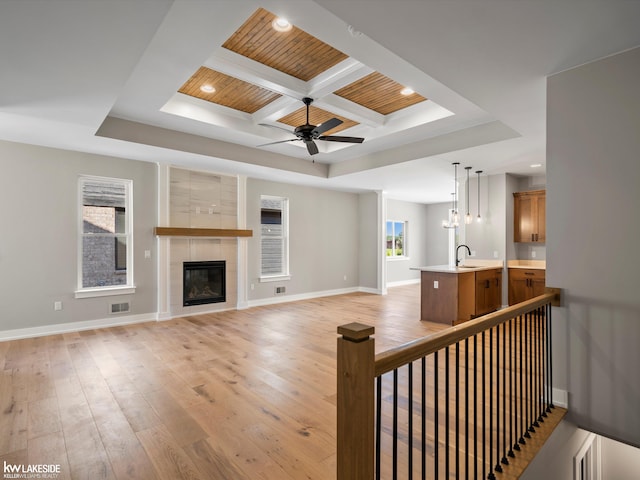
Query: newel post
[{"x": 356, "y": 370}]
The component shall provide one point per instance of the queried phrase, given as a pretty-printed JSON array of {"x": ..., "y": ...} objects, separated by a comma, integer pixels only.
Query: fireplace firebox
[{"x": 204, "y": 282}]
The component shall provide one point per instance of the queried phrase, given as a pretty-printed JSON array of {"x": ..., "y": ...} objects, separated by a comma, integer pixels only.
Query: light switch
[
  {"x": 147, "y": 254},
  {"x": 435, "y": 284}
]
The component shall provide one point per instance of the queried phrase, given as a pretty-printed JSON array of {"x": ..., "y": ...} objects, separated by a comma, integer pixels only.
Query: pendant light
[
  {"x": 452, "y": 222},
  {"x": 478, "y": 218},
  {"x": 468, "y": 218}
]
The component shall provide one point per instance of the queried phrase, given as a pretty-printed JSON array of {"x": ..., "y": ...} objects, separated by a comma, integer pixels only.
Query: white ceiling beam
[{"x": 243, "y": 68}]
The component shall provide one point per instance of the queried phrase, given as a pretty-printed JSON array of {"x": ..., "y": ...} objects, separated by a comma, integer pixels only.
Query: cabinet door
[
  {"x": 541, "y": 220},
  {"x": 488, "y": 291},
  {"x": 537, "y": 284},
  {"x": 523, "y": 227},
  {"x": 525, "y": 284},
  {"x": 496, "y": 290},
  {"x": 529, "y": 218}
]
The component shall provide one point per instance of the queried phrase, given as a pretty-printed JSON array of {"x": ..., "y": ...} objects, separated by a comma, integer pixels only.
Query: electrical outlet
[
  {"x": 147, "y": 254},
  {"x": 57, "y": 306},
  {"x": 473, "y": 253},
  {"x": 533, "y": 254},
  {"x": 253, "y": 286},
  {"x": 197, "y": 210},
  {"x": 495, "y": 254},
  {"x": 345, "y": 277},
  {"x": 435, "y": 284}
]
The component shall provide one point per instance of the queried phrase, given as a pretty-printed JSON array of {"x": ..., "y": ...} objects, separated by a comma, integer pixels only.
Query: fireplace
[{"x": 203, "y": 282}]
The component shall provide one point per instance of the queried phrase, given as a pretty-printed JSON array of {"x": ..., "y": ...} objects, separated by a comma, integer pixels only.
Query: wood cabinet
[
  {"x": 525, "y": 284},
  {"x": 488, "y": 291},
  {"x": 529, "y": 217},
  {"x": 457, "y": 297}
]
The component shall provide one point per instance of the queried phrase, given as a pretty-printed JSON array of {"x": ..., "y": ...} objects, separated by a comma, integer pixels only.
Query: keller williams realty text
[{"x": 31, "y": 471}]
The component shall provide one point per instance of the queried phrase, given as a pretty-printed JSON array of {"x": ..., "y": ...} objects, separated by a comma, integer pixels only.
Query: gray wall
[
  {"x": 368, "y": 248},
  {"x": 39, "y": 236},
  {"x": 435, "y": 243},
  {"x": 399, "y": 270},
  {"x": 593, "y": 228},
  {"x": 324, "y": 240},
  {"x": 488, "y": 236}
]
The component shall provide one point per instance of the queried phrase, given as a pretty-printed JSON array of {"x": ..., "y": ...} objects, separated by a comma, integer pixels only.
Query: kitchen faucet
[{"x": 457, "y": 249}]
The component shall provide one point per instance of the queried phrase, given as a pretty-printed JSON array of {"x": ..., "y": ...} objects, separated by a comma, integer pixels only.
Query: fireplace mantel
[{"x": 201, "y": 232}]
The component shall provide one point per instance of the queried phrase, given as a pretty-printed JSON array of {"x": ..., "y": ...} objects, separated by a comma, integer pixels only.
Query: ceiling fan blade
[
  {"x": 311, "y": 147},
  {"x": 326, "y": 126},
  {"x": 276, "y": 126},
  {"x": 338, "y": 138},
  {"x": 281, "y": 141}
]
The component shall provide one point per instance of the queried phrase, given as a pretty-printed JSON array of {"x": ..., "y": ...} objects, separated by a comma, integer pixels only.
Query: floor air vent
[{"x": 119, "y": 307}]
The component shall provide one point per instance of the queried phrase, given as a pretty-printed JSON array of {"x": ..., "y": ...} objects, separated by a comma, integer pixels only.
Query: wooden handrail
[{"x": 409, "y": 352}]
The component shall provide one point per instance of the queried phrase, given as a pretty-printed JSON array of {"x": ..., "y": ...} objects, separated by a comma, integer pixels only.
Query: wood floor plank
[
  {"x": 168, "y": 458},
  {"x": 50, "y": 449},
  {"x": 248, "y": 394}
]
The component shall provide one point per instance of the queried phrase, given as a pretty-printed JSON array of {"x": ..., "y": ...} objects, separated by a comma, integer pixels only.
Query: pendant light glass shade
[
  {"x": 453, "y": 220},
  {"x": 478, "y": 218},
  {"x": 468, "y": 218}
]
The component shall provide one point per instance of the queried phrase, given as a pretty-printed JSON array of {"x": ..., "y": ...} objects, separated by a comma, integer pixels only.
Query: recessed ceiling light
[
  {"x": 281, "y": 24},
  {"x": 407, "y": 91},
  {"x": 207, "y": 88},
  {"x": 535, "y": 165}
]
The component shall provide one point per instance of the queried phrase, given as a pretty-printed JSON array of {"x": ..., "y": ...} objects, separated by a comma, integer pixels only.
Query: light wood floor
[{"x": 234, "y": 395}]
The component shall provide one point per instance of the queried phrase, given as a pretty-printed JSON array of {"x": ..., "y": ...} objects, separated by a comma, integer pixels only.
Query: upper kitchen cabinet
[{"x": 529, "y": 216}]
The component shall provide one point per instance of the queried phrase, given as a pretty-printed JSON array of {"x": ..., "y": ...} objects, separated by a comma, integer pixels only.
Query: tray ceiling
[{"x": 354, "y": 93}]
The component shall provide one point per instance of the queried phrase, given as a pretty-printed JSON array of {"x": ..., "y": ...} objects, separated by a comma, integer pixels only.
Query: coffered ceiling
[
  {"x": 264, "y": 71},
  {"x": 124, "y": 79}
]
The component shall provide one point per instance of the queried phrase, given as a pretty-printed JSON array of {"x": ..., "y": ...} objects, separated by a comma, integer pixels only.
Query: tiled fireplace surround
[{"x": 195, "y": 199}]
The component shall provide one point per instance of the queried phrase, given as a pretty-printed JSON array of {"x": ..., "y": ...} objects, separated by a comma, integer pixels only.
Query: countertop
[
  {"x": 470, "y": 265},
  {"x": 528, "y": 264}
]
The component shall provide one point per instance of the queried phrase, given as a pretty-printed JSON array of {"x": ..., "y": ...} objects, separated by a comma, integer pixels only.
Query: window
[
  {"x": 106, "y": 237},
  {"x": 274, "y": 228},
  {"x": 396, "y": 239}
]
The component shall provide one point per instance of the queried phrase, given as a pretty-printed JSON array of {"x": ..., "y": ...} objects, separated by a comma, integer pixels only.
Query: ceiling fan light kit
[{"x": 308, "y": 132}]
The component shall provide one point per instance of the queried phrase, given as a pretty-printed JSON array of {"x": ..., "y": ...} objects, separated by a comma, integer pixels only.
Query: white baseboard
[
  {"x": 401, "y": 283},
  {"x": 560, "y": 398},
  {"x": 303, "y": 296},
  {"x": 32, "y": 332}
]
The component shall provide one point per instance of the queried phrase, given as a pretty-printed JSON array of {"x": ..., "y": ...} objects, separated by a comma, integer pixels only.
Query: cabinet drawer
[{"x": 524, "y": 273}]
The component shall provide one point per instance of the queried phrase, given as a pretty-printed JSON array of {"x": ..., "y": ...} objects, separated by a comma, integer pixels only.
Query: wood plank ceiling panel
[
  {"x": 316, "y": 117},
  {"x": 230, "y": 92},
  {"x": 379, "y": 93},
  {"x": 295, "y": 52}
]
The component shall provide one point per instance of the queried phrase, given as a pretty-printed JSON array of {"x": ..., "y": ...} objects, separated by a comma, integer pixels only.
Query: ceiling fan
[{"x": 308, "y": 133}]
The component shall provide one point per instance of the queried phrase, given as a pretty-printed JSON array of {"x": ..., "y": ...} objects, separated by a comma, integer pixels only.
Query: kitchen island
[{"x": 453, "y": 295}]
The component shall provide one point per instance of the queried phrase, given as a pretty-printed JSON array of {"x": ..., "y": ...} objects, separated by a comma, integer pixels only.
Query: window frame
[
  {"x": 405, "y": 227},
  {"x": 107, "y": 290},
  {"x": 285, "y": 273}
]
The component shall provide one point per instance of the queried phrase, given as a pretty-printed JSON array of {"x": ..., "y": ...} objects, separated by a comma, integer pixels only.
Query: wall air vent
[
  {"x": 119, "y": 307},
  {"x": 280, "y": 290}
]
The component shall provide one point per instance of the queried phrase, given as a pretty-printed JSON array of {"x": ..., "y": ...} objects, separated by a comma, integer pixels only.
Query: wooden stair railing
[{"x": 465, "y": 402}]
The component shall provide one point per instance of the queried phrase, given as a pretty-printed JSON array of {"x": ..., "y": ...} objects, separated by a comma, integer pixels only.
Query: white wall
[
  {"x": 39, "y": 237},
  {"x": 593, "y": 172}
]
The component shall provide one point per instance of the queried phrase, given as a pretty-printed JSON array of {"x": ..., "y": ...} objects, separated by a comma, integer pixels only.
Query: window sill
[
  {"x": 105, "y": 291},
  {"x": 396, "y": 259},
  {"x": 275, "y": 278}
]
